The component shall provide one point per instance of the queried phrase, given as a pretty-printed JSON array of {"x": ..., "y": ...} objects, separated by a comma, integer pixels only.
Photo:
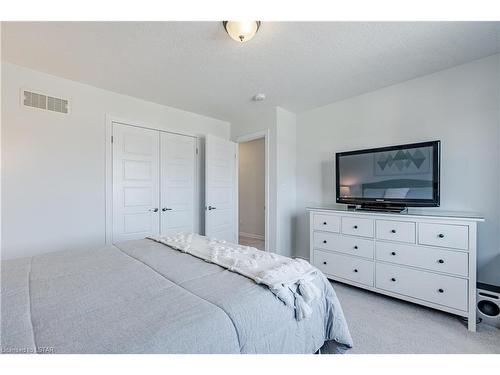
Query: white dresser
[{"x": 425, "y": 258}]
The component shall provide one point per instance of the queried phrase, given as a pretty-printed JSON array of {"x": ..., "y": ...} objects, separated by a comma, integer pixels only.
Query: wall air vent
[{"x": 41, "y": 101}]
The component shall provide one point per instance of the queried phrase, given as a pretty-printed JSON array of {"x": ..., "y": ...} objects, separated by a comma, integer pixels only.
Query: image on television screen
[{"x": 394, "y": 174}]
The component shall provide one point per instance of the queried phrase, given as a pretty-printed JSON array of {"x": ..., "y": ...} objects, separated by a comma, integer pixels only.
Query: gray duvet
[{"x": 144, "y": 297}]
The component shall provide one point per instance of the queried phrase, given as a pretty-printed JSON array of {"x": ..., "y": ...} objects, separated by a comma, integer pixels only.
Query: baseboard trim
[{"x": 251, "y": 235}]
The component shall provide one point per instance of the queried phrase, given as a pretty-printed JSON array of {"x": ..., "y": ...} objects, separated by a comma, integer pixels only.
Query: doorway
[{"x": 252, "y": 191}]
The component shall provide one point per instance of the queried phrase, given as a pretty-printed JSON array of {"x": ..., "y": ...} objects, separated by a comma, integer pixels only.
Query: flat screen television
[{"x": 392, "y": 177}]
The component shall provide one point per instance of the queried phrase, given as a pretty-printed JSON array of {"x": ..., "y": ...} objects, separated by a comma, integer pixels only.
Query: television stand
[
  {"x": 427, "y": 258},
  {"x": 382, "y": 208}
]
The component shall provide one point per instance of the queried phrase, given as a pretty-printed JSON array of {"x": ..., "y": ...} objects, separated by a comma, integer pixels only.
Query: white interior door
[
  {"x": 221, "y": 184},
  {"x": 178, "y": 171},
  {"x": 135, "y": 182}
]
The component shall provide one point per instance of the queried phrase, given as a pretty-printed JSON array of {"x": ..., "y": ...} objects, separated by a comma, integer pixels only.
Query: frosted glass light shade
[{"x": 241, "y": 31}]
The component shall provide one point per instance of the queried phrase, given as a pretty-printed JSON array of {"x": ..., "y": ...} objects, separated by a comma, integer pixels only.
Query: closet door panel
[
  {"x": 221, "y": 189},
  {"x": 135, "y": 182},
  {"x": 178, "y": 183}
]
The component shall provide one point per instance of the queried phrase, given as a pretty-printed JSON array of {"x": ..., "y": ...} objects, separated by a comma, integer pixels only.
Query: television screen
[{"x": 405, "y": 174}]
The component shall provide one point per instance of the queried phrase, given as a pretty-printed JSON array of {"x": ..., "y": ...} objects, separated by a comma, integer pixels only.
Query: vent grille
[{"x": 48, "y": 103}]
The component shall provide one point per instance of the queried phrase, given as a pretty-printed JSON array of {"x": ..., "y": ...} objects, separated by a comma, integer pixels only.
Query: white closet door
[
  {"x": 135, "y": 182},
  {"x": 221, "y": 200},
  {"x": 178, "y": 171}
]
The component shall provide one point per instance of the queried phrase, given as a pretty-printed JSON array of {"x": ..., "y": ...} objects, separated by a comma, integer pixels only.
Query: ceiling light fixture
[{"x": 241, "y": 31}]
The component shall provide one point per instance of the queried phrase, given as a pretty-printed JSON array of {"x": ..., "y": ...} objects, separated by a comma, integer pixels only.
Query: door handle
[
  {"x": 210, "y": 208},
  {"x": 153, "y": 210},
  {"x": 166, "y": 209}
]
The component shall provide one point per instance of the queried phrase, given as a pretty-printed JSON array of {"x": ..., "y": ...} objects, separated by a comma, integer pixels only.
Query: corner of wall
[{"x": 286, "y": 166}]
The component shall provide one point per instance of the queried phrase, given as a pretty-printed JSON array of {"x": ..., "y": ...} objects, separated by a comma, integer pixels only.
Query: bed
[
  {"x": 141, "y": 296},
  {"x": 398, "y": 189}
]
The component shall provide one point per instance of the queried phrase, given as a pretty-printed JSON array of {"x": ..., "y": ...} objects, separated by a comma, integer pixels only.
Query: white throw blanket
[{"x": 291, "y": 280}]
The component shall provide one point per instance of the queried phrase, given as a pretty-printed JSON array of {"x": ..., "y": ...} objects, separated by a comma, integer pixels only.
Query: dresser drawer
[
  {"x": 432, "y": 259},
  {"x": 444, "y": 235},
  {"x": 443, "y": 290},
  {"x": 348, "y": 245},
  {"x": 357, "y": 226},
  {"x": 327, "y": 223},
  {"x": 401, "y": 231},
  {"x": 345, "y": 267}
]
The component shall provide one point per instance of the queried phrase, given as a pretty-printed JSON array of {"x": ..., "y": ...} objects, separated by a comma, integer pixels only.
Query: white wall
[
  {"x": 53, "y": 164},
  {"x": 286, "y": 136},
  {"x": 251, "y": 185},
  {"x": 282, "y": 148},
  {"x": 256, "y": 122},
  {"x": 459, "y": 106}
]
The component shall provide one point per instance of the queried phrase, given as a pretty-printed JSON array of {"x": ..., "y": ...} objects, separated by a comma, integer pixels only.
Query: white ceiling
[{"x": 197, "y": 67}]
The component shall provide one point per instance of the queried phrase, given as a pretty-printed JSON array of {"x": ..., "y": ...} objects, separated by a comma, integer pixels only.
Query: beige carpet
[{"x": 381, "y": 324}]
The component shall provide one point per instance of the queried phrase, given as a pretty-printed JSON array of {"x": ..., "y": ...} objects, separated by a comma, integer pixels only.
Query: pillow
[
  {"x": 373, "y": 193},
  {"x": 396, "y": 193},
  {"x": 420, "y": 193}
]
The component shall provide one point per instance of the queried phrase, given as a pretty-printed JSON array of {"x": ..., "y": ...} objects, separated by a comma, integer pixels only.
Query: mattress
[{"x": 143, "y": 297}]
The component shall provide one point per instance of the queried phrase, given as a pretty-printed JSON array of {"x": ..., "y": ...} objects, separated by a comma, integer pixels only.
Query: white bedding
[{"x": 289, "y": 279}]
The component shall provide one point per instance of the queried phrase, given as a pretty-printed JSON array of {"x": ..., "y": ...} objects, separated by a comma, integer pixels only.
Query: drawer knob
[
  {"x": 393, "y": 279},
  {"x": 355, "y": 227},
  {"x": 324, "y": 222},
  {"x": 441, "y": 261},
  {"x": 393, "y": 253},
  {"x": 441, "y": 290},
  {"x": 393, "y": 231},
  {"x": 324, "y": 241},
  {"x": 441, "y": 235},
  {"x": 355, "y": 247},
  {"x": 324, "y": 262},
  {"x": 355, "y": 270}
]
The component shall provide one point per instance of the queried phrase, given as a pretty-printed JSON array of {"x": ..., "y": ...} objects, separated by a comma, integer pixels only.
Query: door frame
[
  {"x": 252, "y": 137},
  {"x": 108, "y": 171}
]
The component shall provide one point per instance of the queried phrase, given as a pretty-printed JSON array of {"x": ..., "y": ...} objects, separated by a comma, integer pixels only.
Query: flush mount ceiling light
[{"x": 241, "y": 31}]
